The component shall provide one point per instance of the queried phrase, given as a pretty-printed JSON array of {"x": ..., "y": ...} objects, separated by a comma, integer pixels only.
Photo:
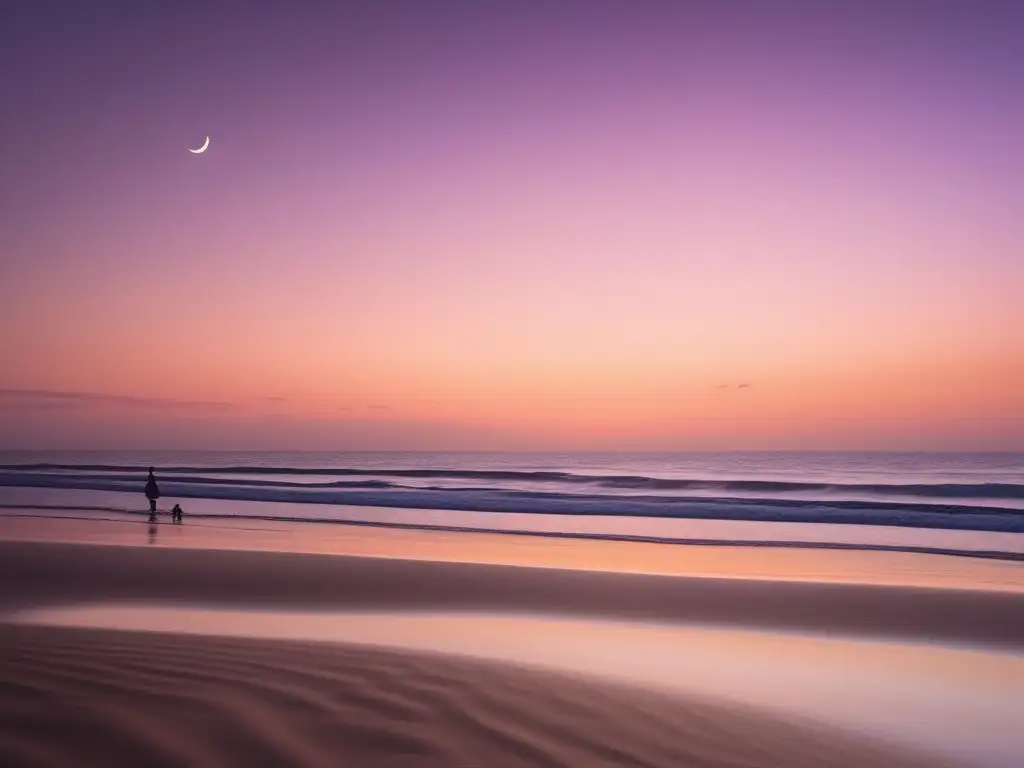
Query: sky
[{"x": 513, "y": 225}]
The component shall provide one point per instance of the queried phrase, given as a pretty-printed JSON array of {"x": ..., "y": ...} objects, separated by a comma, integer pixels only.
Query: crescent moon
[{"x": 202, "y": 148}]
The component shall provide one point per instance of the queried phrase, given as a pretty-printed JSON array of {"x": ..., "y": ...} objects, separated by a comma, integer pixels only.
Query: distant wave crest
[{"x": 1008, "y": 491}]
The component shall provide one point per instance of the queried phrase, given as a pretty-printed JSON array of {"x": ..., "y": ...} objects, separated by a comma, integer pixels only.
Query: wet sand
[
  {"x": 80, "y": 696},
  {"x": 58, "y": 573},
  {"x": 726, "y": 562}
]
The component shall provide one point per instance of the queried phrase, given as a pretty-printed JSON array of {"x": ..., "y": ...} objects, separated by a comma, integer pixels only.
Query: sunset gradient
[{"x": 467, "y": 225}]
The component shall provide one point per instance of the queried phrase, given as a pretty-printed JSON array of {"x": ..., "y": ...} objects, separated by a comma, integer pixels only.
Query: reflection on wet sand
[{"x": 864, "y": 567}]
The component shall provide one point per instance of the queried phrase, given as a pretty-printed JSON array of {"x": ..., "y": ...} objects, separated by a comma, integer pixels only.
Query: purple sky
[{"x": 513, "y": 225}]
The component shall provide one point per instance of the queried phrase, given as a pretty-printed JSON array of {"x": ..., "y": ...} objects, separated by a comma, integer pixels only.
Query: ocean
[{"x": 954, "y": 501}]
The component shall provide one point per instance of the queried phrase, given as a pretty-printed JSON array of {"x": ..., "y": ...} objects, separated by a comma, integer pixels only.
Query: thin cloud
[
  {"x": 52, "y": 397},
  {"x": 743, "y": 386}
]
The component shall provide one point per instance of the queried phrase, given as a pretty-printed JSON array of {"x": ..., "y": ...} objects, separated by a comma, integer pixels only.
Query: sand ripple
[{"x": 105, "y": 698}]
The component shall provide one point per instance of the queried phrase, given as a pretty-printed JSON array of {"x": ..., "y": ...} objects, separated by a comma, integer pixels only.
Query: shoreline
[
  {"x": 13, "y": 510},
  {"x": 731, "y": 560}
]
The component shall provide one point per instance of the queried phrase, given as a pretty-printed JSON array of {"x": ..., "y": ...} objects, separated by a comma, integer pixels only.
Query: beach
[
  {"x": 501, "y": 385},
  {"x": 203, "y": 645}
]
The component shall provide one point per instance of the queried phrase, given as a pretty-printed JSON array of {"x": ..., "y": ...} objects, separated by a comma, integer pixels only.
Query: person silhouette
[
  {"x": 152, "y": 493},
  {"x": 176, "y": 512}
]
